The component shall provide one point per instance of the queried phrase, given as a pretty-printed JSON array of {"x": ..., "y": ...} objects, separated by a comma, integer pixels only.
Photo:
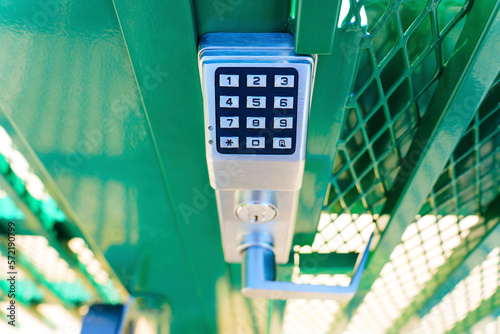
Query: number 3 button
[{"x": 283, "y": 81}]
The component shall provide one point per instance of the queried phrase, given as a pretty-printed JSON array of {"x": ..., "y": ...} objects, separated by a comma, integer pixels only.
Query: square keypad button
[
  {"x": 232, "y": 122},
  {"x": 230, "y": 142},
  {"x": 256, "y": 142},
  {"x": 256, "y": 110}
]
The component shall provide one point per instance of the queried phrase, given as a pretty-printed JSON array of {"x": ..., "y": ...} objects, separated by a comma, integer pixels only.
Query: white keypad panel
[
  {"x": 283, "y": 102},
  {"x": 282, "y": 142},
  {"x": 230, "y": 122},
  {"x": 256, "y": 122},
  {"x": 229, "y": 80},
  {"x": 229, "y": 101},
  {"x": 256, "y": 142},
  {"x": 283, "y": 123},
  {"x": 256, "y": 80},
  {"x": 229, "y": 142},
  {"x": 258, "y": 102},
  {"x": 284, "y": 80}
]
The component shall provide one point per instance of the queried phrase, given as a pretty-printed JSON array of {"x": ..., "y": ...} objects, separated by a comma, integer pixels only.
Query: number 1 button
[{"x": 226, "y": 80}]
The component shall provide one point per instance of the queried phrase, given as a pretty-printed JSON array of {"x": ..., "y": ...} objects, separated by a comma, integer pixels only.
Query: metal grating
[
  {"x": 53, "y": 273},
  {"x": 482, "y": 282},
  {"x": 395, "y": 81}
]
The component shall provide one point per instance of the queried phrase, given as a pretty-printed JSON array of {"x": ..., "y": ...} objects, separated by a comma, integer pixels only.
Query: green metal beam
[
  {"x": 164, "y": 36},
  {"x": 463, "y": 260},
  {"x": 332, "y": 86},
  {"x": 464, "y": 84},
  {"x": 315, "y": 26}
]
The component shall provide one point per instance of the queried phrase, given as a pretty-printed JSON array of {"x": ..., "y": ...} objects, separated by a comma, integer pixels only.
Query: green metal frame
[{"x": 104, "y": 100}]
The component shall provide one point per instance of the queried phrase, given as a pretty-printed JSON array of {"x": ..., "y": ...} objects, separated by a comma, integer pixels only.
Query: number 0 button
[
  {"x": 229, "y": 101},
  {"x": 256, "y": 122},
  {"x": 256, "y": 142},
  {"x": 282, "y": 102},
  {"x": 283, "y": 81}
]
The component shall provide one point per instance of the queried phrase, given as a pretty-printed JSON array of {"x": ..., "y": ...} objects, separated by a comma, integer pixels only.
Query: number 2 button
[
  {"x": 256, "y": 81},
  {"x": 229, "y": 101}
]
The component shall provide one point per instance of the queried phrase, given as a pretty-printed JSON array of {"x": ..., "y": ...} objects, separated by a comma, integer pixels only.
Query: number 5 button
[
  {"x": 283, "y": 122},
  {"x": 256, "y": 102},
  {"x": 282, "y": 102}
]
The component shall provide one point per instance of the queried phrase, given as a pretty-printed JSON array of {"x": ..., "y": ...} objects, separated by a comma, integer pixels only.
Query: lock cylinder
[{"x": 256, "y": 206}]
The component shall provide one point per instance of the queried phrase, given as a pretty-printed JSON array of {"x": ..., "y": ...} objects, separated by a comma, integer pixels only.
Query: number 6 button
[{"x": 282, "y": 102}]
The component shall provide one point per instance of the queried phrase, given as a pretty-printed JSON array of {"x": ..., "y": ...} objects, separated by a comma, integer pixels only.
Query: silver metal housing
[{"x": 230, "y": 173}]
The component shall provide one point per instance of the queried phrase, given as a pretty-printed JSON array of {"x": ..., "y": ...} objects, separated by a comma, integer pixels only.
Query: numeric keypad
[{"x": 256, "y": 110}]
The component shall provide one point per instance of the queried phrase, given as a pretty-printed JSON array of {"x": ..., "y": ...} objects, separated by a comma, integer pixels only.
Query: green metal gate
[{"x": 103, "y": 170}]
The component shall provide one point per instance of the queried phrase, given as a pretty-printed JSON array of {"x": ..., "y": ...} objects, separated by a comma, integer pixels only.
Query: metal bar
[
  {"x": 332, "y": 86},
  {"x": 35, "y": 218},
  {"x": 167, "y": 39},
  {"x": 33, "y": 212},
  {"x": 316, "y": 24},
  {"x": 447, "y": 278},
  {"x": 33, "y": 274},
  {"x": 463, "y": 85},
  {"x": 327, "y": 263}
]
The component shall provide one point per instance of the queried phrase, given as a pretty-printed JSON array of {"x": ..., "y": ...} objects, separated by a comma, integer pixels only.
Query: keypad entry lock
[{"x": 256, "y": 94}]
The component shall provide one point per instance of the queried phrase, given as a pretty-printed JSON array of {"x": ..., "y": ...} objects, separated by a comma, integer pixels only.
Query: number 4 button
[{"x": 229, "y": 101}]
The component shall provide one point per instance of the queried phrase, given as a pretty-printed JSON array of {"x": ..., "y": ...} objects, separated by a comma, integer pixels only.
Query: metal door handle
[{"x": 259, "y": 274}]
